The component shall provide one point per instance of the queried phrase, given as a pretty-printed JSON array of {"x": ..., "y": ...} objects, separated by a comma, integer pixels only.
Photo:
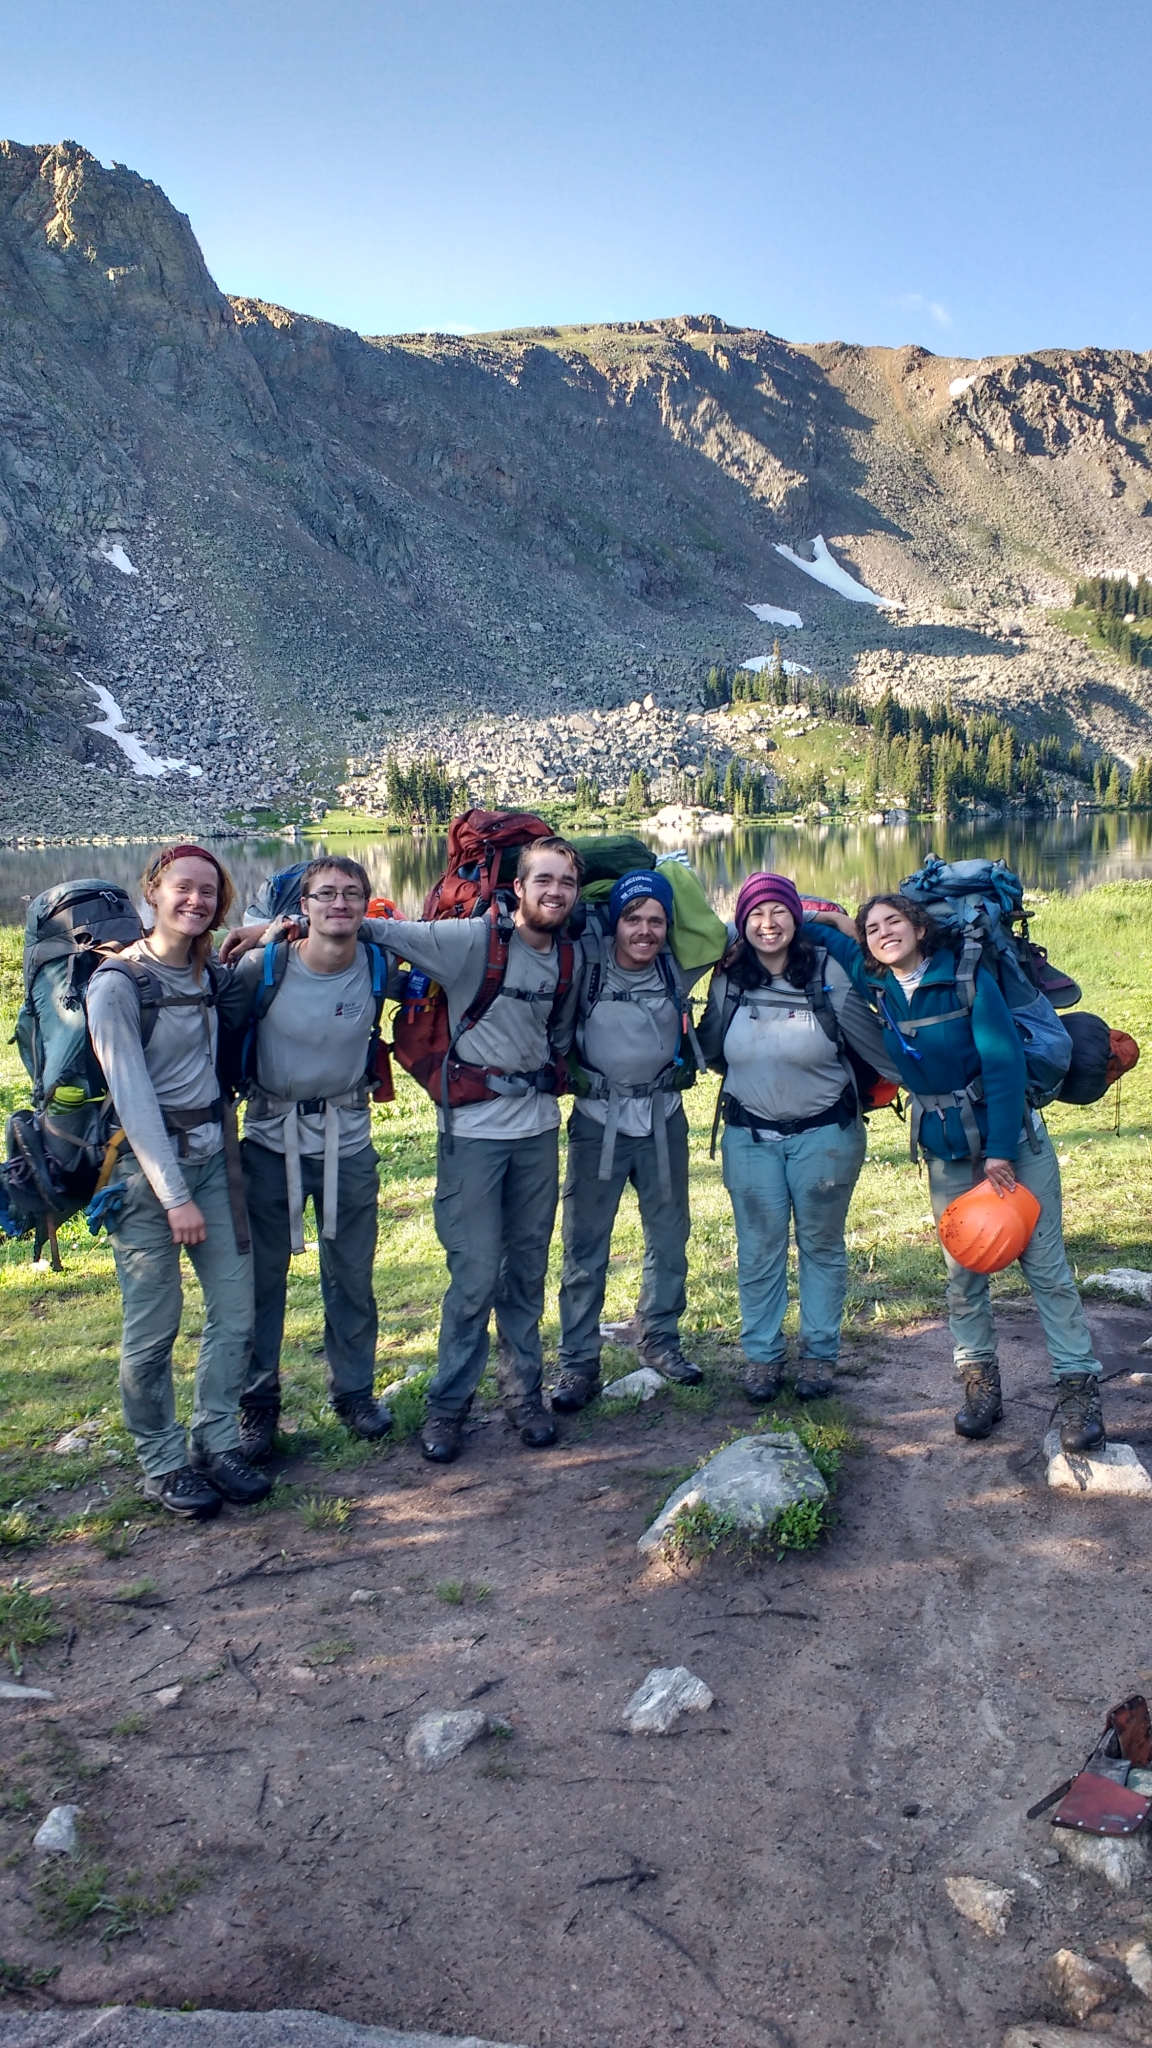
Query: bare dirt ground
[{"x": 887, "y": 1709}]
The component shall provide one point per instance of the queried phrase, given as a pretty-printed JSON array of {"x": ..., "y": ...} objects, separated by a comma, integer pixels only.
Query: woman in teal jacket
[{"x": 966, "y": 1078}]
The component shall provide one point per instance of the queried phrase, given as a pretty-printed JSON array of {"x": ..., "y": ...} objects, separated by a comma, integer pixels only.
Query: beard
[{"x": 542, "y": 917}]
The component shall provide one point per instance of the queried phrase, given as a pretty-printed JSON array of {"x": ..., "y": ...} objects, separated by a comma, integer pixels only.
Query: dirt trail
[{"x": 887, "y": 1709}]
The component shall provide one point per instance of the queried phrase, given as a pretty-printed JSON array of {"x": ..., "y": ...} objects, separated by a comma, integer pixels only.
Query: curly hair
[
  {"x": 745, "y": 969},
  {"x": 927, "y": 931}
]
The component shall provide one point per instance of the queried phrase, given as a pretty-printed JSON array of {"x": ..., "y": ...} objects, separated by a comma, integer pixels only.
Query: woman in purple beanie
[{"x": 781, "y": 1015}]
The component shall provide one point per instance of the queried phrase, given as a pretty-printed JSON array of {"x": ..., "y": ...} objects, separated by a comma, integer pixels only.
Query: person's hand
[
  {"x": 1002, "y": 1175},
  {"x": 839, "y": 918},
  {"x": 245, "y": 937},
  {"x": 187, "y": 1224}
]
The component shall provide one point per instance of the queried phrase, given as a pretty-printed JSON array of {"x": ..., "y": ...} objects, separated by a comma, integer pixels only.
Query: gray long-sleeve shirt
[
  {"x": 312, "y": 1043},
  {"x": 177, "y": 1069},
  {"x": 512, "y": 1036}
]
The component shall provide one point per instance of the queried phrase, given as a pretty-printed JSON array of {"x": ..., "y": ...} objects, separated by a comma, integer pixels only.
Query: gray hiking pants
[
  {"x": 148, "y": 1269},
  {"x": 1043, "y": 1262},
  {"x": 589, "y": 1213},
  {"x": 346, "y": 1262},
  {"x": 494, "y": 1210}
]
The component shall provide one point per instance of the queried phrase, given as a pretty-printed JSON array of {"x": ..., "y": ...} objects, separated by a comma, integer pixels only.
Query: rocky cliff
[{"x": 274, "y": 543}]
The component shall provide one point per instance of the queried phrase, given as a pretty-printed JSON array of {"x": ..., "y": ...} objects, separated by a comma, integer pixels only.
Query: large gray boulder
[{"x": 755, "y": 1479}]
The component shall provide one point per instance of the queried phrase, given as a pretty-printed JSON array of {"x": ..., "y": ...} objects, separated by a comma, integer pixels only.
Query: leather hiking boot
[
  {"x": 258, "y": 1428},
  {"x": 440, "y": 1438},
  {"x": 1077, "y": 1410},
  {"x": 983, "y": 1404},
  {"x": 186, "y": 1493},
  {"x": 669, "y": 1361},
  {"x": 814, "y": 1380},
  {"x": 533, "y": 1423},
  {"x": 231, "y": 1474},
  {"x": 762, "y": 1383},
  {"x": 573, "y": 1390},
  {"x": 366, "y": 1418}
]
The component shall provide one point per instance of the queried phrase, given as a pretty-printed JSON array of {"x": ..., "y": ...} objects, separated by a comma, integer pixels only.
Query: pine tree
[
  {"x": 708, "y": 787},
  {"x": 638, "y": 799}
]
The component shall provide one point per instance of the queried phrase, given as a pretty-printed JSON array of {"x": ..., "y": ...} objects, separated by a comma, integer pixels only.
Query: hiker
[
  {"x": 780, "y": 1017},
  {"x": 964, "y": 1068},
  {"x": 627, "y": 1124},
  {"x": 176, "y": 1183},
  {"x": 497, "y": 1161},
  {"x": 308, "y": 1132}
]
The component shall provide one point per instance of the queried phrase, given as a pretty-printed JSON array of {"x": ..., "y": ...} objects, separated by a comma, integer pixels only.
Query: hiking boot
[
  {"x": 762, "y": 1383},
  {"x": 1078, "y": 1409},
  {"x": 231, "y": 1474},
  {"x": 184, "y": 1492},
  {"x": 365, "y": 1417},
  {"x": 258, "y": 1428},
  {"x": 983, "y": 1405},
  {"x": 670, "y": 1362},
  {"x": 573, "y": 1390},
  {"x": 814, "y": 1380},
  {"x": 440, "y": 1438},
  {"x": 536, "y": 1427}
]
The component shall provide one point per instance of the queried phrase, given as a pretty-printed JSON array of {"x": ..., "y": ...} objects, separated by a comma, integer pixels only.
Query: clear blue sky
[{"x": 970, "y": 176}]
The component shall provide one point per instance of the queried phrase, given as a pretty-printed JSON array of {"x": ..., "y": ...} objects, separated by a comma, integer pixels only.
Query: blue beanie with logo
[{"x": 631, "y": 888}]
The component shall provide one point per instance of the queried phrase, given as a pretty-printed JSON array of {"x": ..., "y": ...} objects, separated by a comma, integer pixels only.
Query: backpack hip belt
[
  {"x": 842, "y": 1112},
  {"x": 289, "y": 1110},
  {"x": 961, "y": 1099},
  {"x": 616, "y": 1094}
]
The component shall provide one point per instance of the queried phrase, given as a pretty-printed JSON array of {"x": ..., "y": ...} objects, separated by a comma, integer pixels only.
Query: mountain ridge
[{"x": 343, "y": 545}]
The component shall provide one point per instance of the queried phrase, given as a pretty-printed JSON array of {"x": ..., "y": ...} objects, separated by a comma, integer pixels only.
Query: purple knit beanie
[{"x": 767, "y": 889}]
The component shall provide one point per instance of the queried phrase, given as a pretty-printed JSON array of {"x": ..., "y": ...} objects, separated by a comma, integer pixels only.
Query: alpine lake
[{"x": 846, "y": 862}]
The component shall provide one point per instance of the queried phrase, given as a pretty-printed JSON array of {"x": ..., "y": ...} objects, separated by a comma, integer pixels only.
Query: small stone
[
  {"x": 439, "y": 1738},
  {"x": 988, "y": 1906},
  {"x": 755, "y": 1479},
  {"x": 1123, "y": 1283},
  {"x": 644, "y": 1381},
  {"x": 169, "y": 1695},
  {"x": 56, "y": 1834},
  {"x": 1116, "y": 1470},
  {"x": 666, "y": 1693},
  {"x": 363, "y": 1598},
  {"x": 1049, "y": 2037},
  {"x": 23, "y": 1692},
  {"x": 72, "y": 1443},
  {"x": 1118, "y": 1859},
  {"x": 1079, "y": 1985},
  {"x": 1138, "y": 1963}
]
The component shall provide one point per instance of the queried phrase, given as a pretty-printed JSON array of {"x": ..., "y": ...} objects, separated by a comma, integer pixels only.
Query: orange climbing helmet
[{"x": 985, "y": 1231}]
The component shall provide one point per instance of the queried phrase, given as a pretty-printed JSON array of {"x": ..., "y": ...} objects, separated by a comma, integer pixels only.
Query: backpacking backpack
[
  {"x": 976, "y": 904},
  {"x": 874, "y": 1089},
  {"x": 241, "y": 1057},
  {"x": 279, "y": 896},
  {"x": 1099, "y": 1057},
  {"x": 422, "y": 1038},
  {"x": 62, "y": 1150},
  {"x": 483, "y": 848}
]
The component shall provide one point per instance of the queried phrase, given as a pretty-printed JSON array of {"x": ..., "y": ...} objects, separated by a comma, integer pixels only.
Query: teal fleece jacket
[{"x": 985, "y": 1043}]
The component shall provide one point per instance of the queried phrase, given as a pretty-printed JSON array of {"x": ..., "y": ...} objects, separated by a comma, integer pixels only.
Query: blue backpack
[
  {"x": 977, "y": 904},
  {"x": 279, "y": 896}
]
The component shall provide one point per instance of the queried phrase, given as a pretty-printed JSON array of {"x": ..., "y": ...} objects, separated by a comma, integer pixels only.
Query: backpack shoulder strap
[
  {"x": 500, "y": 929},
  {"x": 565, "y": 974},
  {"x": 594, "y": 946},
  {"x": 273, "y": 968},
  {"x": 378, "y": 968},
  {"x": 820, "y": 1002},
  {"x": 149, "y": 990}
]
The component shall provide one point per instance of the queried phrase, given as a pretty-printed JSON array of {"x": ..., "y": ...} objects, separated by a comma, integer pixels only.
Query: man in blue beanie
[{"x": 630, "y": 1063}]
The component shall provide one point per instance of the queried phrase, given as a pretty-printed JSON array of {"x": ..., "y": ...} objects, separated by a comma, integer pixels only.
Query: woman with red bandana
[
  {"x": 781, "y": 1014},
  {"x": 152, "y": 1016}
]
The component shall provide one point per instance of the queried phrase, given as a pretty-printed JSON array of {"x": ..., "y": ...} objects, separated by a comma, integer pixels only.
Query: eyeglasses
[{"x": 336, "y": 896}]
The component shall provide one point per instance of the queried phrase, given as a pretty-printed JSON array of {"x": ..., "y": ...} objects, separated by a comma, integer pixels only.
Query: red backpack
[
  {"x": 422, "y": 1038},
  {"x": 477, "y": 844}
]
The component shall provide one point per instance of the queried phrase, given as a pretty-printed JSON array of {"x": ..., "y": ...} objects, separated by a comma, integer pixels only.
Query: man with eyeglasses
[{"x": 307, "y": 1131}]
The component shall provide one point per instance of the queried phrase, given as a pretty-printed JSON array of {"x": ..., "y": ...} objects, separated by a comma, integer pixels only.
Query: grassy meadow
[{"x": 59, "y": 1333}]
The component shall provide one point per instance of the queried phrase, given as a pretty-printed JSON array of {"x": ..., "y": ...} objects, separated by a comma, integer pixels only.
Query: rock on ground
[
  {"x": 1138, "y": 1963},
  {"x": 56, "y": 1834},
  {"x": 119, "y": 2026},
  {"x": 439, "y": 1738},
  {"x": 1115, "y": 1469},
  {"x": 666, "y": 1693},
  {"x": 988, "y": 1906},
  {"x": 755, "y": 1479},
  {"x": 1123, "y": 1283},
  {"x": 1049, "y": 2037},
  {"x": 1118, "y": 1859},
  {"x": 645, "y": 1381},
  {"x": 1078, "y": 1984}
]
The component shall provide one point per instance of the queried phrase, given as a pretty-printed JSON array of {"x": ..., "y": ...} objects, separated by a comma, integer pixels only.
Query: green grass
[
  {"x": 330, "y": 1650},
  {"x": 75, "y": 1898},
  {"x": 25, "y": 1621},
  {"x": 59, "y": 1333},
  {"x": 320, "y": 1511}
]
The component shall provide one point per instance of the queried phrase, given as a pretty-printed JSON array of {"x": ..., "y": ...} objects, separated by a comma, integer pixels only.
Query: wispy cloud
[{"x": 915, "y": 302}]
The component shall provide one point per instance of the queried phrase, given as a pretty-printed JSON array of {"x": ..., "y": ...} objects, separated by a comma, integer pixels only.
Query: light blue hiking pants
[
  {"x": 148, "y": 1269},
  {"x": 805, "y": 1181},
  {"x": 1044, "y": 1265}
]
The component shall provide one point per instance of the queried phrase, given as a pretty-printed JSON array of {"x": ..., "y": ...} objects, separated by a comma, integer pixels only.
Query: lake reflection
[{"x": 846, "y": 862}]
